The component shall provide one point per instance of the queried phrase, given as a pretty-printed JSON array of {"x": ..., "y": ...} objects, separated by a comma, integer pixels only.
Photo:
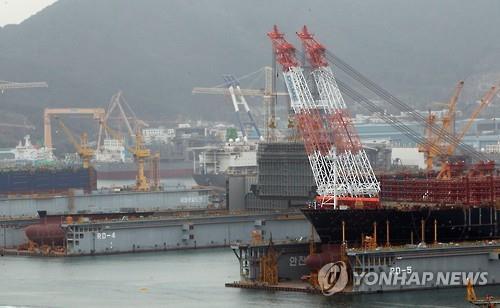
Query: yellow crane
[
  {"x": 428, "y": 147},
  {"x": 140, "y": 153},
  {"x": 449, "y": 117},
  {"x": 445, "y": 172},
  {"x": 488, "y": 301},
  {"x": 83, "y": 149},
  {"x": 433, "y": 142}
]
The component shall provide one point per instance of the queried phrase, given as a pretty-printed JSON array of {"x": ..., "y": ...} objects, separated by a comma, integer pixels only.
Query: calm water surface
[{"x": 193, "y": 278}]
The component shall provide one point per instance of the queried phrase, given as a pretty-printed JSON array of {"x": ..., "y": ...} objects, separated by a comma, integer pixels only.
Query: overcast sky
[{"x": 15, "y": 11}]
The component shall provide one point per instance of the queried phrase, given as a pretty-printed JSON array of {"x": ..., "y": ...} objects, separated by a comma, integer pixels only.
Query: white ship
[
  {"x": 233, "y": 158},
  {"x": 111, "y": 151},
  {"x": 27, "y": 152}
]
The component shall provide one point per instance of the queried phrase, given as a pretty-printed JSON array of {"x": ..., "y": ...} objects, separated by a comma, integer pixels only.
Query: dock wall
[
  {"x": 106, "y": 202},
  {"x": 181, "y": 233}
]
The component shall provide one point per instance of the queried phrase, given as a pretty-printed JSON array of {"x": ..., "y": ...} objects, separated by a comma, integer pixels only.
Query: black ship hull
[
  {"x": 212, "y": 180},
  {"x": 37, "y": 180},
  {"x": 450, "y": 224}
]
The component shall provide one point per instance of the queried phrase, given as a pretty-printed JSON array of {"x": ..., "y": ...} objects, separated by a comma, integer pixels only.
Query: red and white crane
[{"x": 340, "y": 165}]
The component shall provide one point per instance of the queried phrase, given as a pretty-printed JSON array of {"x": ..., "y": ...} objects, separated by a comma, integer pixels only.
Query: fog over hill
[{"x": 156, "y": 50}]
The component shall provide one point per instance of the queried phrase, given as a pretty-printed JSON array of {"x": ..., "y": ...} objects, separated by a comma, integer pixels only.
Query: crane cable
[
  {"x": 391, "y": 99},
  {"x": 380, "y": 113}
]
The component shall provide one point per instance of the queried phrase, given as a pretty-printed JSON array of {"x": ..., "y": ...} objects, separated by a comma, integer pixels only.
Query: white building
[{"x": 158, "y": 135}]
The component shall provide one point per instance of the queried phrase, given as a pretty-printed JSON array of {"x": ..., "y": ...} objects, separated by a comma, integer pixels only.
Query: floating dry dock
[
  {"x": 105, "y": 201},
  {"x": 157, "y": 233},
  {"x": 381, "y": 269}
]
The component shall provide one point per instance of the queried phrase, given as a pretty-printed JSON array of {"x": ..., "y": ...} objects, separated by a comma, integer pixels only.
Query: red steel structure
[
  {"x": 344, "y": 134},
  {"x": 340, "y": 166},
  {"x": 466, "y": 190}
]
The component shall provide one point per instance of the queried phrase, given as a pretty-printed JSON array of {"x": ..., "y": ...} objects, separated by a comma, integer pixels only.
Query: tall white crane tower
[{"x": 340, "y": 166}]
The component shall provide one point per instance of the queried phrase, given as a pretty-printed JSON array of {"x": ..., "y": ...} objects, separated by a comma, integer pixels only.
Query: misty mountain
[{"x": 156, "y": 51}]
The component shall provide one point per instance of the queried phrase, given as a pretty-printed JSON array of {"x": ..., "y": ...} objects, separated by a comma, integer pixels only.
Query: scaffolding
[
  {"x": 269, "y": 265},
  {"x": 465, "y": 190}
]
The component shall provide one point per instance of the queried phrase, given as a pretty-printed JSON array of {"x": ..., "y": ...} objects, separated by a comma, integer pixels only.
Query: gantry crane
[
  {"x": 97, "y": 113},
  {"x": 433, "y": 141},
  {"x": 140, "y": 153},
  {"x": 83, "y": 149},
  {"x": 445, "y": 172},
  {"x": 267, "y": 93}
]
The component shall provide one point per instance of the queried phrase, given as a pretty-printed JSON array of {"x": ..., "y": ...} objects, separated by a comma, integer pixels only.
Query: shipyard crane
[
  {"x": 268, "y": 95},
  {"x": 483, "y": 103},
  {"x": 395, "y": 102},
  {"x": 392, "y": 120},
  {"x": 140, "y": 153},
  {"x": 119, "y": 103},
  {"x": 83, "y": 149},
  {"x": 445, "y": 172},
  {"x": 392, "y": 100},
  {"x": 97, "y": 113},
  {"x": 433, "y": 141},
  {"x": 239, "y": 102},
  {"x": 450, "y": 116},
  {"x": 352, "y": 166},
  {"x": 482, "y": 166},
  {"x": 332, "y": 146},
  {"x": 430, "y": 145},
  {"x": 8, "y": 85}
]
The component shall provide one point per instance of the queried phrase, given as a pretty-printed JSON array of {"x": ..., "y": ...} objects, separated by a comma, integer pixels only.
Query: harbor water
[{"x": 192, "y": 278}]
